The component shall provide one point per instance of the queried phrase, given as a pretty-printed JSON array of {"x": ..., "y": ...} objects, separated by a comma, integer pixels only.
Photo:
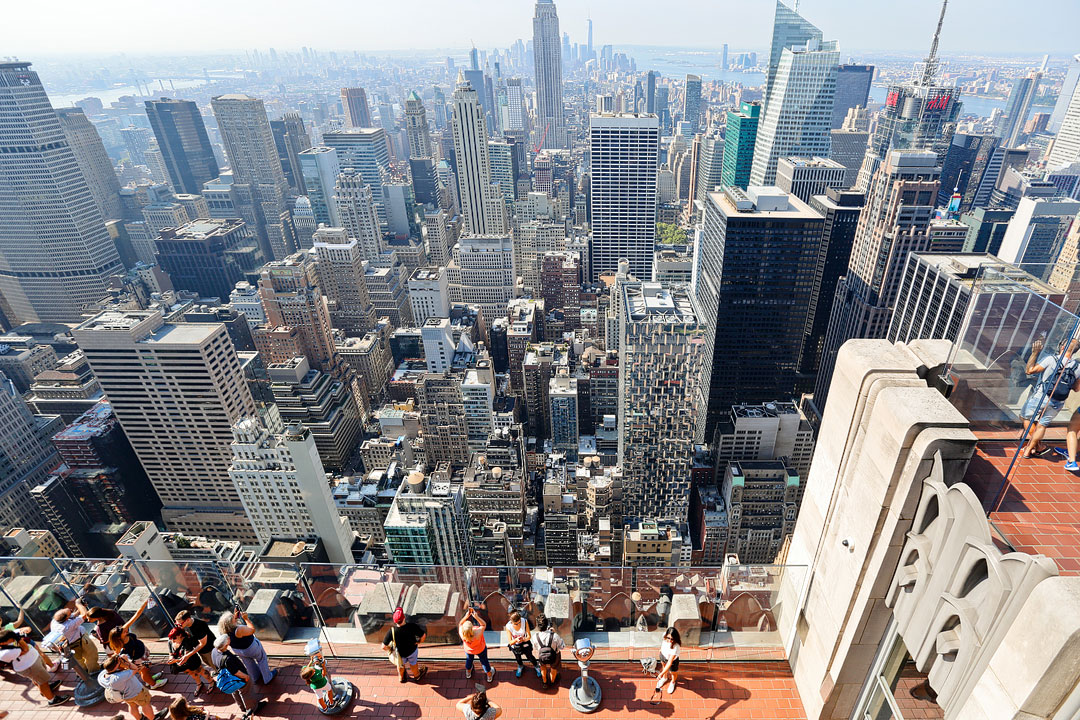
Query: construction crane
[{"x": 542, "y": 139}]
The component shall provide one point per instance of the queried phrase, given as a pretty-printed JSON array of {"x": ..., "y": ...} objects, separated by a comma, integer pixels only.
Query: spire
[
  {"x": 461, "y": 78},
  {"x": 931, "y": 65}
]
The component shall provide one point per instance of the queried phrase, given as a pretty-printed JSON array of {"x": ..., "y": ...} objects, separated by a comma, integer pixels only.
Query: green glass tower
[{"x": 739, "y": 138}]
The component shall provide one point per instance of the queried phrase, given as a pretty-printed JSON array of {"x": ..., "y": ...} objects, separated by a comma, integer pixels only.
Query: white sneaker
[
  {"x": 468, "y": 674},
  {"x": 160, "y": 682},
  {"x": 671, "y": 687}
]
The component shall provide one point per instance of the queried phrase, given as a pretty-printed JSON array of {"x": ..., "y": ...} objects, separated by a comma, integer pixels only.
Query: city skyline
[{"x": 743, "y": 26}]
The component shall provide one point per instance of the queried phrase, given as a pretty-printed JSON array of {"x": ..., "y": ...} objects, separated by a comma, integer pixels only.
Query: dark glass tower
[{"x": 185, "y": 146}]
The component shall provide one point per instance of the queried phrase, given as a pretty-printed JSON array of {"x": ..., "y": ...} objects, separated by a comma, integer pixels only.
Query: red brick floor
[
  {"x": 1039, "y": 511},
  {"x": 728, "y": 690}
]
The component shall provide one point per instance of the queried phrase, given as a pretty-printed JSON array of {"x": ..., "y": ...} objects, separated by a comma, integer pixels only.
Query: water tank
[{"x": 415, "y": 481}]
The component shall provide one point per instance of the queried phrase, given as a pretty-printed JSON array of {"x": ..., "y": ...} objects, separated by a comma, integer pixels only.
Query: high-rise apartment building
[
  {"x": 442, "y": 419},
  {"x": 208, "y": 256},
  {"x": 258, "y": 179},
  {"x": 804, "y": 177},
  {"x": 177, "y": 390},
  {"x": 93, "y": 160},
  {"x": 358, "y": 213},
  {"x": 662, "y": 347},
  {"x": 625, "y": 156},
  {"x": 355, "y": 104},
  {"x": 282, "y": 485},
  {"x": 429, "y": 293},
  {"x": 563, "y": 415},
  {"x": 739, "y": 141},
  {"x": 416, "y": 127},
  {"x": 547, "y": 56},
  {"x": 297, "y": 316},
  {"x": 27, "y": 459},
  {"x": 185, "y": 147},
  {"x": 57, "y": 255},
  {"x": 797, "y": 118},
  {"x": 481, "y": 272},
  {"x": 762, "y": 498},
  {"x": 757, "y": 246},
  {"x": 895, "y": 221},
  {"x": 852, "y": 90},
  {"x": 691, "y": 109},
  {"x": 320, "y": 169},
  {"x": 482, "y": 205},
  {"x": 340, "y": 265}
]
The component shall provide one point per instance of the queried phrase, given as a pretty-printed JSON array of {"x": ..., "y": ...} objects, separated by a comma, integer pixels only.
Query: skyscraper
[
  {"x": 93, "y": 160},
  {"x": 57, "y": 255},
  {"x": 1068, "y": 88},
  {"x": 852, "y": 90},
  {"x": 662, "y": 349},
  {"x": 365, "y": 151},
  {"x": 515, "y": 105},
  {"x": 547, "y": 55},
  {"x": 966, "y": 163},
  {"x": 625, "y": 153},
  {"x": 798, "y": 110},
  {"x": 482, "y": 205},
  {"x": 319, "y": 169},
  {"x": 1021, "y": 96},
  {"x": 739, "y": 140},
  {"x": 183, "y": 142},
  {"x": 357, "y": 213},
  {"x": 291, "y": 139},
  {"x": 1066, "y": 149},
  {"x": 416, "y": 127},
  {"x": 803, "y": 177},
  {"x": 650, "y": 92},
  {"x": 28, "y": 457},
  {"x": 756, "y": 246},
  {"x": 176, "y": 390},
  {"x": 862, "y": 308},
  {"x": 208, "y": 256},
  {"x": 340, "y": 263},
  {"x": 691, "y": 108},
  {"x": 282, "y": 485},
  {"x": 294, "y": 302},
  {"x": 789, "y": 30},
  {"x": 258, "y": 179},
  {"x": 357, "y": 112},
  {"x": 919, "y": 114}
]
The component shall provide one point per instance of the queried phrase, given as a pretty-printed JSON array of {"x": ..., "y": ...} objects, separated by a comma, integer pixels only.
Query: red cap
[{"x": 399, "y": 615}]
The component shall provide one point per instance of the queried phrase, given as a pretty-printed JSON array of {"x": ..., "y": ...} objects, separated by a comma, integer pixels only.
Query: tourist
[
  {"x": 225, "y": 659},
  {"x": 183, "y": 658},
  {"x": 405, "y": 638},
  {"x": 181, "y": 710},
  {"x": 122, "y": 684},
  {"x": 26, "y": 661},
  {"x": 19, "y": 625},
  {"x": 471, "y": 629},
  {"x": 549, "y": 646},
  {"x": 243, "y": 642},
  {"x": 1049, "y": 395},
  {"x": 670, "y": 647},
  {"x": 103, "y": 619},
  {"x": 199, "y": 631},
  {"x": 82, "y": 646},
  {"x": 313, "y": 675},
  {"x": 519, "y": 640},
  {"x": 477, "y": 707},
  {"x": 122, "y": 642}
]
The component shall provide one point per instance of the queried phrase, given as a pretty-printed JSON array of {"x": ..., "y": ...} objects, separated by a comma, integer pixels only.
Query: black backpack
[
  {"x": 1060, "y": 384},
  {"x": 546, "y": 654}
]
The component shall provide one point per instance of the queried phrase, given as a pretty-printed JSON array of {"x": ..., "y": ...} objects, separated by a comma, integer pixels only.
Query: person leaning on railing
[{"x": 244, "y": 643}]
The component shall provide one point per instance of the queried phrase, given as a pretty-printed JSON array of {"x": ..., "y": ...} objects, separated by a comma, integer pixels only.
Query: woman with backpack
[
  {"x": 121, "y": 683},
  {"x": 549, "y": 647},
  {"x": 670, "y": 647},
  {"x": 244, "y": 643},
  {"x": 519, "y": 641},
  {"x": 1048, "y": 396},
  {"x": 471, "y": 629},
  {"x": 237, "y": 682}
]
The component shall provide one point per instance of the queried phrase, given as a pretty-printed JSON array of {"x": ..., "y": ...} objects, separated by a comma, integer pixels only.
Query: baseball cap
[{"x": 399, "y": 615}]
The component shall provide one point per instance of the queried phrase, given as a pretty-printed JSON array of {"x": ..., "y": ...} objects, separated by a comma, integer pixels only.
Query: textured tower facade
[
  {"x": 176, "y": 390},
  {"x": 55, "y": 254},
  {"x": 258, "y": 180},
  {"x": 183, "y": 142},
  {"x": 622, "y": 215},
  {"x": 482, "y": 204},
  {"x": 357, "y": 213},
  {"x": 341, "y": 277},
  {"x": 661, "y": 358},
  {"x": 741, "y": 136},
  {"x": 547, "y": 55},
  {"x": 790, "y": 29},
  {"x": 691, "y": 109}
]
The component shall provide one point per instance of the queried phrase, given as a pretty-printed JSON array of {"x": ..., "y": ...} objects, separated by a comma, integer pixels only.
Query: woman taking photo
[
  {"x": 670, "y": 647},
  {"x": 471, "y": 629},
  {"x": 243, "y": 642}
]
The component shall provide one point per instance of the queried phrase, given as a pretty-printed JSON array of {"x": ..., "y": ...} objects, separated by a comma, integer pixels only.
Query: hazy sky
[{"x": 139, "y": 26}]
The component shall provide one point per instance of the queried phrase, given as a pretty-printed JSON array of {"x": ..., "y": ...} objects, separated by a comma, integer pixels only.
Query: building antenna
[{"x": 931, "y": 65}]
